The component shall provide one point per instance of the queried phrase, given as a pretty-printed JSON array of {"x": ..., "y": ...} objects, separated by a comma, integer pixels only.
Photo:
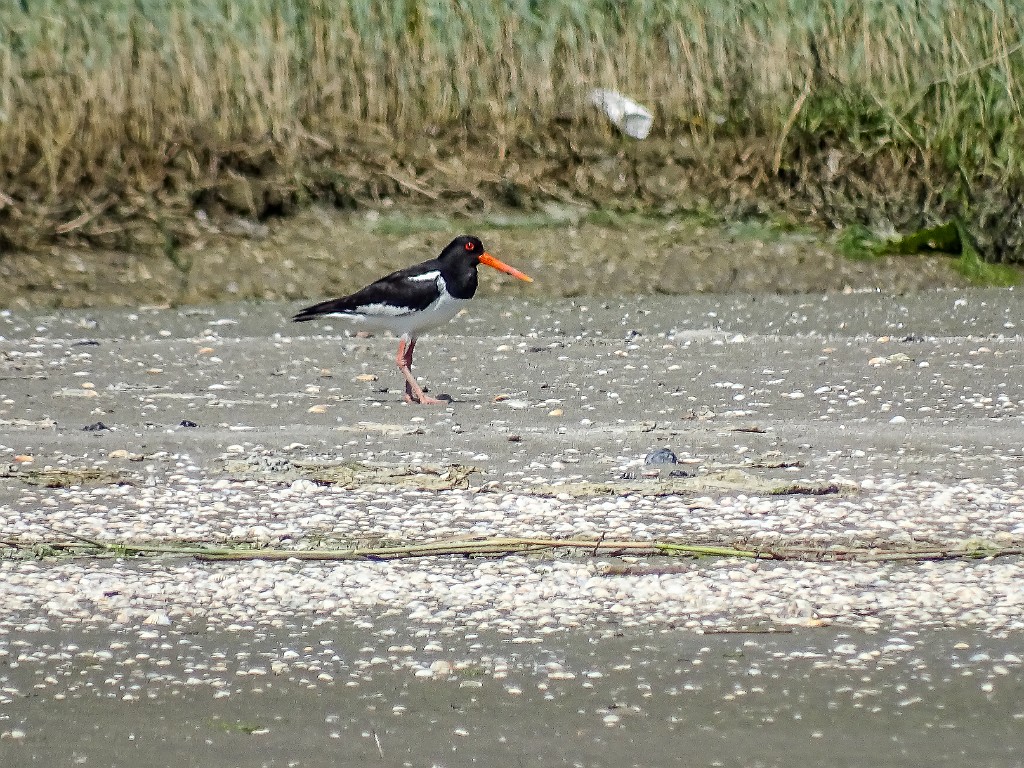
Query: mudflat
[{"x": 860, "y": 422}]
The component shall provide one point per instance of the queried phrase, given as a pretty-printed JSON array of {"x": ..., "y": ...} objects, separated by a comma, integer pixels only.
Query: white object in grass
[{"x": 628, "y": 116}]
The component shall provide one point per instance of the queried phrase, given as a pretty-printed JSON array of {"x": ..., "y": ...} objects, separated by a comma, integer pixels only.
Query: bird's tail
[{"x": 317, "y": 310}]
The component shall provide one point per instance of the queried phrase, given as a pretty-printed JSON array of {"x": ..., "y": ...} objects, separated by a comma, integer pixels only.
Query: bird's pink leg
[{"x": 413, "y": 392}]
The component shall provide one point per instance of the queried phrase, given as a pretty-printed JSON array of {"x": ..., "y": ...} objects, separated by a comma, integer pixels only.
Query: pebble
[{"x": 661, "y": 456}]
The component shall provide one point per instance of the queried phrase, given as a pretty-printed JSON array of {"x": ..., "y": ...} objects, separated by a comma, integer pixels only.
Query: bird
[{"x": 413, "y": 300}]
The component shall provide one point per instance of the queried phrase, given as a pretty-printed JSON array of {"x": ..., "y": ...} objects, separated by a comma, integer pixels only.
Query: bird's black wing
[{"x": 408, "y": 290}]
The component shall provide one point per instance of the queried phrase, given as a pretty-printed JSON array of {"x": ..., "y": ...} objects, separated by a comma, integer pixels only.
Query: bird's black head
[
  {"x": 464, "y": 248},
  {"x": 468, "y": 251}
]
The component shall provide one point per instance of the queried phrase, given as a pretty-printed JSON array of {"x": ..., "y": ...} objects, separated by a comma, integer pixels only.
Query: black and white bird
[{"x": 413, "y": 300}]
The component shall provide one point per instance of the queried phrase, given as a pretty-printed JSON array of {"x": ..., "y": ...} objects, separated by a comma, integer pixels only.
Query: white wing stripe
[
  {"x": 426, "y": 277},
  {"x": 375, "y": 310}
]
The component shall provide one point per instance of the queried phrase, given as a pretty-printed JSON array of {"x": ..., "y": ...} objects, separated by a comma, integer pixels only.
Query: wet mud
[
  {"x": 571, "y": 252},
  {"x": 909, "y": 407}
]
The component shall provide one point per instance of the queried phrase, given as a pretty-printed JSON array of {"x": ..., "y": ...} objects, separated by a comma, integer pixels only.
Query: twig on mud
[
  {"x": 488, "y": 547},
  {"x": 944, "y": 554},
  {"x": 73, "y": 535},
  {"x": 504, "y": 546}
]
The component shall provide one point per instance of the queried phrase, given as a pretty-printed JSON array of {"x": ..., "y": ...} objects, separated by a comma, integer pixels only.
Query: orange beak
[{"x": 490, "y": 261}]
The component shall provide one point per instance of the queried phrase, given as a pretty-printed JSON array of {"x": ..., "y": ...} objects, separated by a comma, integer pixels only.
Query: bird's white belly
[{"x": 411, "y": 324}]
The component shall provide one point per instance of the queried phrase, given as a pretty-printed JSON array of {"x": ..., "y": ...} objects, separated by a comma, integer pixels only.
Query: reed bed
[{"x": 142, "y": 110}]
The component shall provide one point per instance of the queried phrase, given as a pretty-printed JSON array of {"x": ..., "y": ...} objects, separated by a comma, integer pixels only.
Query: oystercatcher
[{"x": 415, "y": 299}]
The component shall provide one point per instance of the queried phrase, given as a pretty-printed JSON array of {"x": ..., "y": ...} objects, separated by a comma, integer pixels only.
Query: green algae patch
[
  {"x": 726, "y": 481},
  {"x": 354, "y": 474},
  {"x": 951, "y": 238},
  {"x": 64, "y": 478}
]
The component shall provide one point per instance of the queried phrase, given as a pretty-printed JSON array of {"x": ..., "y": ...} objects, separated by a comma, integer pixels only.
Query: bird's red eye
[{"x": 470, "y": 246}]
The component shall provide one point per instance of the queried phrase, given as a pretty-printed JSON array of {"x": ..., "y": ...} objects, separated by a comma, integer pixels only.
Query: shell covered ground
[{"x": 816, "y": 422}]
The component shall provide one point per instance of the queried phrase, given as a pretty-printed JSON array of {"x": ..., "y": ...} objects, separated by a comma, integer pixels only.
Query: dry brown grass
[{"x": 117, "y": 120}]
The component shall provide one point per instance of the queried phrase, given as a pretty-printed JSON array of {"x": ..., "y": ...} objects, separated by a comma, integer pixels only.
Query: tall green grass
[{"x": 127, "y": 105}]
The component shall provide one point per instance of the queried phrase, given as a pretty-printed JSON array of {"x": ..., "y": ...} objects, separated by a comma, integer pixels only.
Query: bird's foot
[
  {"x": 426, "y": 400},
  {"x": 413, "y": 391},
  {"x": 418, "y": 396}
]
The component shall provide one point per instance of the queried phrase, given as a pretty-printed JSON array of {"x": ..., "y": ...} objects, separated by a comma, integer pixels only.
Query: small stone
[
  {"x": 365, "y": 377},
  {"x": 661, "y": 456},
  {"x": 556, "y": 412},
  {"x": 99, "y": 426},
  {"x": 187, "y": 423},
  {"x": 321, "y": 408},
  {"x": 304, "y": 486},
  {"x": 441, "y": 668}
]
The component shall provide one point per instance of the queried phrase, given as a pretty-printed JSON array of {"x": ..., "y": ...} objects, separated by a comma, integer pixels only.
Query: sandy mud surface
[{"x": 862, "y": 421}]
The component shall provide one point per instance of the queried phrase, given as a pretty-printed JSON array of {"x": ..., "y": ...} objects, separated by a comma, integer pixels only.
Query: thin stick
[
  {"x": 790, "y": 122},
  {"x": 504, "y": 546}
]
